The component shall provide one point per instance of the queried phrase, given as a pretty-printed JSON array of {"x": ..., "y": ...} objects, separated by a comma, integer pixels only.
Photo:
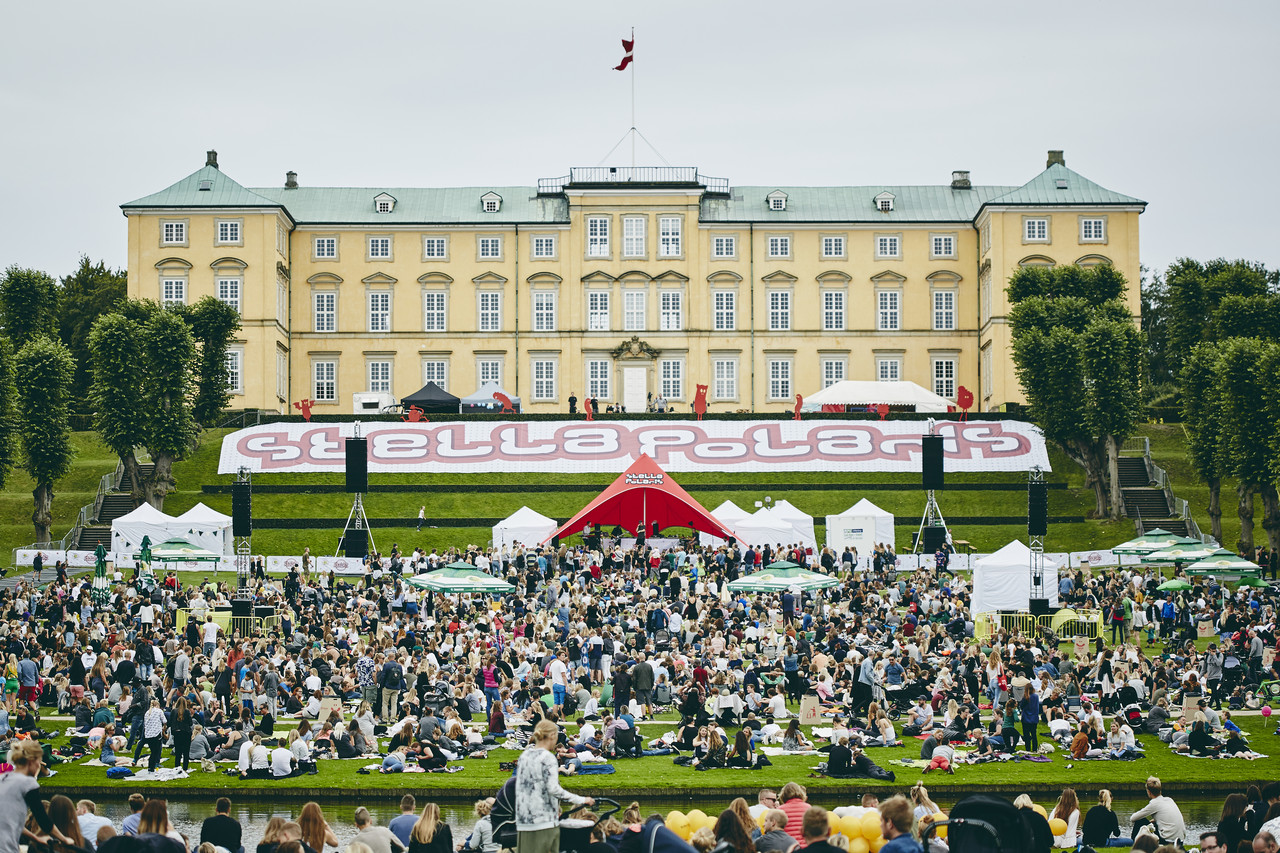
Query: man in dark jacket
[{"x": 642, "y": 679}]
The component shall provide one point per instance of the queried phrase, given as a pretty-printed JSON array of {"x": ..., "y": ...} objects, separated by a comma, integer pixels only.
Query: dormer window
[
  {"x": 884, "y": 202},
  {"x": 384, "y": 203},
  {"x": 777, "y": 200},
  {"x": 490, "y": 202}
]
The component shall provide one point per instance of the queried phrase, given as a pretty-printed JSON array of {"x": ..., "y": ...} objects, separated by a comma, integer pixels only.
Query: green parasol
[
  {"x": 458, "y": 578},
  {"x": 1153, "y": 540},
  {"x": 1174, "y": 584},
  {"x": 179, "y": 551},
  {"x": 1223, "y": 562},
  {"x": 781, "y": 576},
  {"x": 1253, "y": 580},
  {"x": 1180, "y": 554}
]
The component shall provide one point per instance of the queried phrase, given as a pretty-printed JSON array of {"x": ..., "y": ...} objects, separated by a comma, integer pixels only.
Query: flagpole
[{"x": 633, "y": 101}]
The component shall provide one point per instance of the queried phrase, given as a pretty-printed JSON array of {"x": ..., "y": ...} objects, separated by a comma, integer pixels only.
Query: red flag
[{"x": 627, "y": 46}]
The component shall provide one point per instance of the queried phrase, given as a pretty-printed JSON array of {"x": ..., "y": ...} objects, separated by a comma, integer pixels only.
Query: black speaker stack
[
  {"x": 357, "y": 465},
  {"x": 355, "y": 542},
  {"x": 931, "y": 470},
  {"x": 1037, "y": 509},
  {"x": 241, "y": 509},
  {"x": 935, "y": 536}
]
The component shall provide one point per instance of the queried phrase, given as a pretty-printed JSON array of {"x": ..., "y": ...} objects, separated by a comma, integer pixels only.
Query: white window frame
[
  {"x": 778, "y": 374},
  {"x": 635, "y": 310},
  {"x": 671, "y": 378},
  {"x": 833, "y": 310},
  {"x": 1035, "y": 229},
  {"x": 1096, "y": 224},
  {"x": 634, "y": 230},
  {"x": 888, "y": 310},
  {"x": 230, "y": 291},
  {"x": 235, "y": 370},
  {"x": 378, "y": 376},
  {"x": 544, "y": 378},
  {"x": 670, "y": 237},
  {"x": 489, "y": 247},
  {"x": 943, "y": 385},
  {"x": 597, "y": 236},
  {"x": 986, "y": 372},
  {"x": 888, "y": 368},
  {"x": 544, "y": 310},
  {"x": 779, "y": 310},
  {"x": 379, "y": 247},
  {"x": 324, "y": 248},
  {"x": 833, "y": 246},
  {"x": 942, "y": 246},
  {"x": 598, "y": 317},
  {"x": 779, "y": 246},
  {"x": 173, "y": 232},
  {"x": 724, "y": 246},
  {"x": 778, "y": 203},
  {"x": 889, "y": 246},
  {"x": 492, "y": 205},
  {"x": 543, "y": 247},
  {"x": 489, "y": 370},
  {"x": 944, "y": 310},
  {"x": 282, "y": 374},
  {"x": 436, "y": 370},
  {"x": 435, "y": 311},
  {"x": 173, "y": 291},
  {"x": 599, "y": 375},
  {"x": 282, "y": 300},
  {"x": 885, "y": 205},
  {"x": 435, "y": 248},
  {"x": 228, "y": 232},
  {"x": 489, "y": 310},
  {"x": 833, "y": 369},
  {"x": 670, "y": 310},
  {"x": 379, "y": 314},
  {"x": 724, "y": 307},
  {"x": 324, "y": 377},
  {"x": 984, "y": 289},
  {"x": 724, "y": 377},
  {"x": 330, "y": 311}
]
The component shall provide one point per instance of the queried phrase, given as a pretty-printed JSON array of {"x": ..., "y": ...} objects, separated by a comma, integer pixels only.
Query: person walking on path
[
  {"x": 422, "y": 515},
  {"x": 538, "y": 794}
]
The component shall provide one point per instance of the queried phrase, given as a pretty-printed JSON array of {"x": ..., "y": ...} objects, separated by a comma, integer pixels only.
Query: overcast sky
[{"x": 1172, "y": 102}]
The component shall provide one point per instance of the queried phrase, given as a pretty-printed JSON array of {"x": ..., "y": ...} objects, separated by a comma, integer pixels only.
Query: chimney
[
  {"x": 291, "y": 180},
  {"x": 1056, "y": 157},
  {"x": 211, "y": 159},
  {"x": 960, "y": 180}
]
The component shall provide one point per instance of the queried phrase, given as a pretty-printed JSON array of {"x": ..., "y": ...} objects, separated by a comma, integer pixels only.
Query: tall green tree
[
  {"x": 213, "y": 326},
  {"x": 8, "y": 411},
  {"x": 1202, "y": 419},
  {"x": 84, "y": 296},
  {"x": 1078, "y": 355},
  {"x": 168, "y": 351},
  {"x": 1161, "y": 381},
  {"x": 1196, "y": 290},
  {"x": 117, "y": 371},
  {"x": 28, "y": 305},
  {"x": 44, "y": 371},
  {"x": 1248, "y": 435}
]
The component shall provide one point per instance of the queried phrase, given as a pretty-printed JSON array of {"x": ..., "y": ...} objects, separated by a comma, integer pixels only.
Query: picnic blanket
[
  {"x": 1247, "y": 756},
  {"x": 777, "y": 750}
]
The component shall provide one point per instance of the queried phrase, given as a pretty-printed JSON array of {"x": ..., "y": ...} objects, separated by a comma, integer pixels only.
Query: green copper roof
[
  {"x": 1059, "y": 185},
  {"x": 850, "y": 204},
  {"x": 450, "y": 205},
  {"x": 222, "y": 192}
]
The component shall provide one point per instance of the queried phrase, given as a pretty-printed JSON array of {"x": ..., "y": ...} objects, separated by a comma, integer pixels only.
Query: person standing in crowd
[
  {"x": 538, "y": 794},
  {"x": 221, "y": 830}
]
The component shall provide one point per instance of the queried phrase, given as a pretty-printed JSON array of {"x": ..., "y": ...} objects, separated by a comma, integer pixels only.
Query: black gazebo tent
[{"x": 431, "y": 398}]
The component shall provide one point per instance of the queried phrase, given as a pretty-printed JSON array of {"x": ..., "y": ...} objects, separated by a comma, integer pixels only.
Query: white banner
[
  {"x": 610, "y": 446},
  {"x": 48, "y": 556}
]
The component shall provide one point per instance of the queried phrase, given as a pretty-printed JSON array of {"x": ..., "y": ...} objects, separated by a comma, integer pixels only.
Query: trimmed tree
[
  {"x": 213, "y": 326},
  {"x": 168, "y": 350},
  {"x": 28, "y": 305},
  {"x": 116, "y": 361},
  {"x": 84, "y": 296},
  {"x": 43, "y": 376},
  {"x": 1248, "y": 435},
  {"x": 8, "y": 411},
  {"x": 1202, "y": 418}
]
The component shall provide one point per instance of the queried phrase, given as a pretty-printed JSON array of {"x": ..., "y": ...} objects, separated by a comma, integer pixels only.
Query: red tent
[{"x": 644, "y": 493}]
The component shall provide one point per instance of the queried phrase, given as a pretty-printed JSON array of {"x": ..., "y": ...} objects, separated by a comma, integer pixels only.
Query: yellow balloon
[
  {"x": 696, "y": 817},
  {"x": 859, "y": 845},
  {"x": 851, "y": 826},
  {"x": 1058, "y": 826},
  {"x": 760, "y": 818},
  {"x": 870, "y": 823},
  {"x": 1039, "y": 809},
  {"x": 941, "y": 831},
  {"x": 877, "y": 843},
  {"x": 679, "y": 824}
]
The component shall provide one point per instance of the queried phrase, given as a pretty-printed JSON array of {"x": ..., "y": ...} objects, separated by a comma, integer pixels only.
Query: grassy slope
[
  {"x": 79, "y": 487},
  {"x": 1169, "y": 449}
]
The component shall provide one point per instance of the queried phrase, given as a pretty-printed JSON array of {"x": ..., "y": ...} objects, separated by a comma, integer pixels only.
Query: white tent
[
  {"x": 765, "y": 527},
  {"x": 127, "y": 530},
  {"x": 1002, "y": 581},
  {"x": 524, "y": 526},
  {"x": 801, "y": 521},
  {"x": 207, "y": 528},
  {"x": 729, "y": 513},
  {"x": 862, "y": 526},
  {"x": 853, "y": 392},
  {"x": 483, "y": 399}
]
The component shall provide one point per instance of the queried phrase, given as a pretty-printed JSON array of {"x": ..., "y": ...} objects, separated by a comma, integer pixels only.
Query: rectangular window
[
  {"x": 434, "y": 248},
  {"x": 672, "y": 373},
  {"x": 490, "y": 311},
  {"x": 633, "y": 310},
  {"x": 326, "y": 311},
  {"x": 725, "y": 308},
  {"x": 779, "y": 247},
  {"x": 544, "y": 311},
  {"x": 1093, "y": 230},
  {"x": 724, "y": 246},
  {"x": 888, "y": 247},
  {"x": 598, "y": 378},
  {"x": 985, "y": 288},
  {"x": 1037, "y": 230},
  {"x": 597, "y": 236},
  {"x": 888, "y": 316},
  {"x": 235, "y": 371},
  {"x": 229, "y": 292},
  {"x": 282, "y": 375},
  {"x": 598, "y": 311},
  {"x": 669, "y": 237},
  {"x": 671, "y": 303},
  {"x": 833, "y": 247},
  {"x": 944, "y": 377},
  {"x": 779, "y": 379},
  {"x": 986, "y": 372},
  {"x": 380, "y": 247},
  {"x": 436, "y": 371},
  {"x": 888, "y": 369},
  {"x": 832, "y": 371},
  {"x": 779, "y": 310},
  {"x": 433, "y": 316},
  {"x": 282, "y": 301},
  {"x": 726, "y": 378},
  {"x": 490, "y": 370},
  {"x": 986, "y": 238},
  {"x": 633, "y": 236},
  {"x": 380, "y": 377},
  {"x": 490, "y": 247},
  {"x": 944, "y": 246},
  {"x": 944, "y": 310},
  {"x": 544, "y": 379},
  {"x": 380, "y": 311},
  {"x": 324, "y": 381},
  {"x": 173, "y": 291},
  {"x": 833, "y": 310},
  {"x": 544, "y": 246},
  {"x": 228, "y": 231},
  {"x": 174, "y": 232},
  {"x": 325, "y": 247}
]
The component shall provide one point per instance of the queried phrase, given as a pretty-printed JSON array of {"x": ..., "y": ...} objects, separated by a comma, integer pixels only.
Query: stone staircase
[
  {"x": 115, "y": 504},
  {"x": 1146, "y": 502}
]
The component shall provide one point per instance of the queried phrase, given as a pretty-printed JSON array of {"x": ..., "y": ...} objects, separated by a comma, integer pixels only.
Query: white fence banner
[
  {"x": 49, "y": 556},
  {"x": 610, "y": 446}
]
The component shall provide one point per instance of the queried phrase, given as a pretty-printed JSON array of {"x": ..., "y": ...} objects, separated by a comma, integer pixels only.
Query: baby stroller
[
  {"x": 1133, "y": 715},
  {"x": 439, "y": 697},
  {"x": 662, "y": 640},
  {"x": 575, "y": 834},
  {"x": 985, "y": 824}
]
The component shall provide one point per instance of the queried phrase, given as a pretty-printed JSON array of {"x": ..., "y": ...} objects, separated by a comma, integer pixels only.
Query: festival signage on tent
[{"x": 605, "y": 446}]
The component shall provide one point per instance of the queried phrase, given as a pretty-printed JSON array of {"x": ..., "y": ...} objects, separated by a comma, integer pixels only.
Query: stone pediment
[{"x": 636, "y": 349}]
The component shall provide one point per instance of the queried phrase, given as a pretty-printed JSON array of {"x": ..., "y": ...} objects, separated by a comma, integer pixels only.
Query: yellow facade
[{"x": 651, "y": 282}]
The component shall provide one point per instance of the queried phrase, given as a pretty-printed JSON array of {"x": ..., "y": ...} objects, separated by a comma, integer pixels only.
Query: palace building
[{"x": 618, "y": 283}]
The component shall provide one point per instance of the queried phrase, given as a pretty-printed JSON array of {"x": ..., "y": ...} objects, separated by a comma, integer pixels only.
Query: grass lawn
[{"x": 79, "y": 487}]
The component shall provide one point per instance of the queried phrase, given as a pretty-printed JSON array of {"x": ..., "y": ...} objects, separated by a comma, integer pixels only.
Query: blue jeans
[
  {"x": 492, "y": 694},
  {"x": 557, "y": 694}
]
